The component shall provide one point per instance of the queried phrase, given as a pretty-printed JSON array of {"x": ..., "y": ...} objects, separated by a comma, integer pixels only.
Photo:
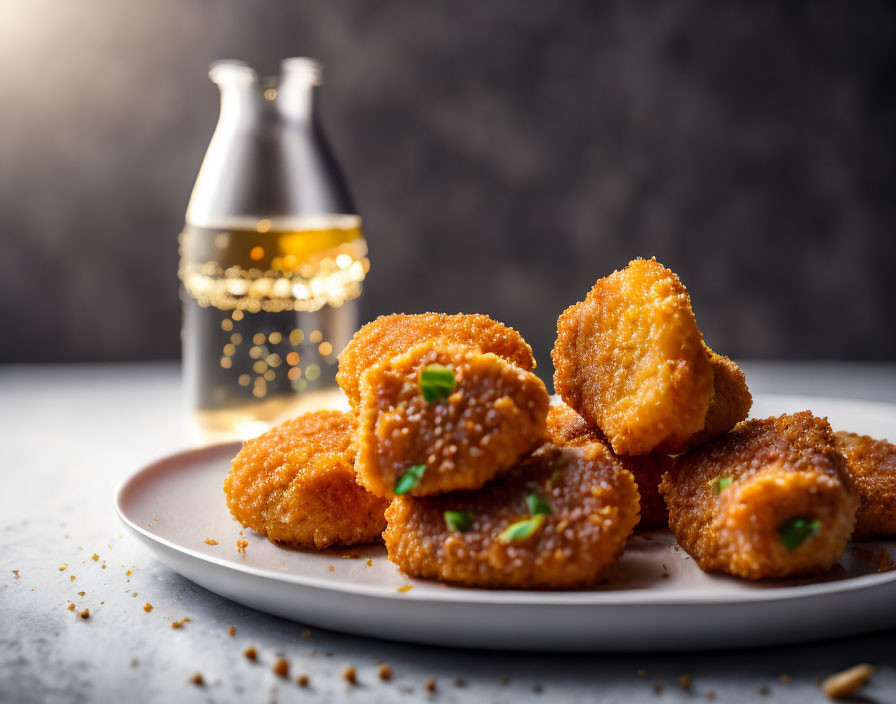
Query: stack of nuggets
[{"x": 453, "y": 452}]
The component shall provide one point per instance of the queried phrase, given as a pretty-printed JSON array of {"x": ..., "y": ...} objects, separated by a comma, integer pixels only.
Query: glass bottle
[{"x": 272, "y": 257}]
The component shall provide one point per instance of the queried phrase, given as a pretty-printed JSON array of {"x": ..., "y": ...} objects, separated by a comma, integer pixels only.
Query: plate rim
[{"x": 502, "y": 597}]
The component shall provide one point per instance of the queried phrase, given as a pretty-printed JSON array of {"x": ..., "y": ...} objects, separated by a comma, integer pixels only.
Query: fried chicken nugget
[
  {"x": 557, "y": 520},
  {"x": 296, "y": 484},
  {"x": 454, "y": 415},
  {"x": 566, "y": 427},
  {"x": 769, "y": 499},
  {"x": 390, "y": 335},
  {"x": 631, "y": 360},
  {"x": 872, "y": 467},
  {"x": 731, "y": 401}
]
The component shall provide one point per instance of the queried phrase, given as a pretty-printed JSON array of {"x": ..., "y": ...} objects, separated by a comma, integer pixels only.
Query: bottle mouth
[{"x": 297, "y": 67}]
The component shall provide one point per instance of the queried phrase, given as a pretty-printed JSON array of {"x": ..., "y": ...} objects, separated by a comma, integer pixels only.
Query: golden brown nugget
[
  {"x": 769, "y": 499},
  {"x": 731, "y": 401},
  {"x": 555, "y": 521},
  {"x": 872, "y": 467},
  {"x": 296, "y": 484},
  {"x": 631, "y": 360},
  {"x": 390, "y": 335},
  {"x": 482, "y": 416},
  {"x": 566, "y": 427}
]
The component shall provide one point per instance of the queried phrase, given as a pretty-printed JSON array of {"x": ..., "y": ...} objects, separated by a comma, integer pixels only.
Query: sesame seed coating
[
  {"x": 390, "y": 335},
  {"x": 775, "y": 470},
  {"x": 566, "y": 427},
  {"x": 594, "y": 506},
  {"x": 631, "y": 360},
  {"x": 872, "y": 467},
  {"x": 296, "y": 483},
  {"x": 493, "y": 418}
]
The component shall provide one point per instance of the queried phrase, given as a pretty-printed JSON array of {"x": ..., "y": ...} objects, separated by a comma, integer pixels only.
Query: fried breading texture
[
  {"x": 296, "y": 484},
  {"x": 593, "y": 508},
  {"x": 872, "y": 467},
  {"x": 769, "y": 499},
  {"x": 390, "y": 335},
  {"x": 566, "y": 427},
  {"x": 492, "y": 418},
  {"x": 731, "y": 402},
  {"x": 631, "y": 360}
]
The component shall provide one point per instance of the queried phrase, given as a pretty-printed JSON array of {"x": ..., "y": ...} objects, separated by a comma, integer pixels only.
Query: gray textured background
[{"x": 503, "y": 154}]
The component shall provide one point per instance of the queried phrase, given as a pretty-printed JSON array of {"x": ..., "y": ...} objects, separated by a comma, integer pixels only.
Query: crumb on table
[
  {"x": 211, "y": 541},
  {"x": 241, "y": 546},
  {"x": 62, "y": 567},
  {"x": 250, "y": 653},
  {"x": 430, "y": 685},
  {"x": 350, "y": 675},
  {"x": 385, "y": 672},
  {"x": 406, "y": 588},
  {"x": 179, "y": 624},
  {"x": 147, "y": 607},
  {"x": 94, "y": 557},
  {"x": 85, "y": 613},
  {"x": 303, "y": 680},
  {"x": 847, "y": 682},
  {"x": 232, "y": 630},
  {"x": 281, "y": 668},
  {"x": 197, "y": 680}
]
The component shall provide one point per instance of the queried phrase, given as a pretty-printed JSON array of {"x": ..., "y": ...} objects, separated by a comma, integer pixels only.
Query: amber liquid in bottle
[{"x": 268, "y": 306}]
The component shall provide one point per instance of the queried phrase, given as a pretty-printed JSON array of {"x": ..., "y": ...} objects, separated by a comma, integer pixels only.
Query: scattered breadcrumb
[
  {"x": 764, "y": 691},
  {"x": 81, "y": 593},
  {"x": 332, "y": 569},
  {"x": 303, "y": 680},
  {"x": 16, "y": 573},
  {"x": 63, "y": 567},
  {"x": 179, "y": 624},
  {"x": 784, "y": 679},
  {"x": 369, "y": 563},
  {"x": 848, "y": 682},
  {"x": 241, "y": 546},
  {"x": 306, "y": 633},
  {"x": 385, "y": 672},
  {"x": 94, "y": 557},
  {"x": 211, "y": 541},
  {"x": 642, "y": 672},
  {"x": 197, "y": 680},
  {"x": 657, "y": 688},
  {"x": 281, "y": 668},
  {"x": 537, "y": 688},
  {"x": 71, "y": 607},
  {"x": 460, "y": 682},
  {"x": 883, "y": 562},
  {"x": 406, "y": 588},
  {"x": 232, "y": 630},
  {"x": 147, "y": 607},
  {"x": 129, "y": 573},
  {"x": 134, "y": 662},
  {"x": 684, "y": 682},
  {"x": 250, "y": 653},
  {"x": 85, "y": 613},
  {"x": 103, "y": 566},
  {"x": 351, "y": 556},
  {"x": 710, "y": 694},
  {"x": 350, "y": 675},
  {"x": 72, "y": 579},
  {"x": 430, "y": 685}
]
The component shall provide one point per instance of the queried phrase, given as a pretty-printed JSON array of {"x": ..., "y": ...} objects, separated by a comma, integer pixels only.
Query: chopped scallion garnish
[
  {"x": 537, "y": 504},
  {"x": 409, "y": 479},
  {"x": 437, "y": 381},
  {"x": 521, "y": 530},
  {"x": 795, "y": 531},
  {"x": 459, "y": 521}
]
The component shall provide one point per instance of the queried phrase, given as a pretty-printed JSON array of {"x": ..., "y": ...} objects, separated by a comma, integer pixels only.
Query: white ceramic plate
[{"x": 657, "y": 600}]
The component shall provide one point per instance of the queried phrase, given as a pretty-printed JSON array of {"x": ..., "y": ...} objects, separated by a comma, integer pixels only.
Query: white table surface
[{"x": 71, "y": 433}]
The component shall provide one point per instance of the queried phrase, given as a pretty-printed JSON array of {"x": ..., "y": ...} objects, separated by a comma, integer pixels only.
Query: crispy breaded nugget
[
  {"x": 296, "y": 484},
  {"x": 566, "y": 427},
  {"x": 731, "y": 401},
  {"x": 390, "y": 335},
  {"x": 556, "y": 520},
  {"x": 630, "y": 360},
  {"x": 485, "y": 415},
  {"x": 872, "y": 467},
  {"x": 769, "y": 499}
]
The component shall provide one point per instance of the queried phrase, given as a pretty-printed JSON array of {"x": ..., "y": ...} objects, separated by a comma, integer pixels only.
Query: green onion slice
[
  {"x": 723, "y": 483},
  {"x": 459, "y": 521},
  {"x": 521, "y": 530},
  {"x": 795, "y": 531},
  {"x": 409, "y": 479},
  {"x": 437, "y": 382},
  {"x": 537, "y": 504}
]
